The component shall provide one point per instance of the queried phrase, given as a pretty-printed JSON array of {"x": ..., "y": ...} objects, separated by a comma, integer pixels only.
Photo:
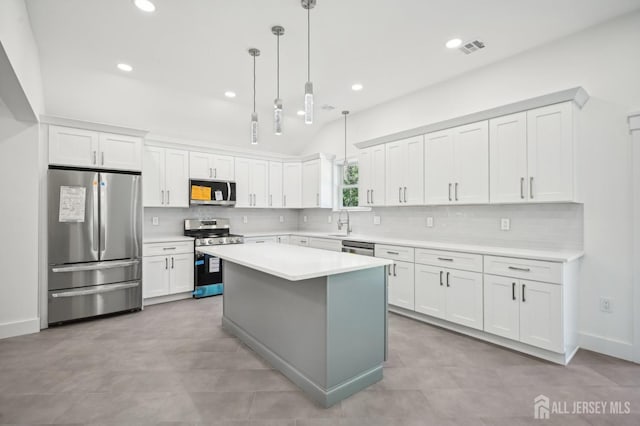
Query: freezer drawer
[
  {"x": 93, "y": 273},
  {"x": 65, "y": 305}
]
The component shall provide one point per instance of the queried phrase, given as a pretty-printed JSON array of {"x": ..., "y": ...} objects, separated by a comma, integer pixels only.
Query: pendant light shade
[
  {"x": 254, "y": 115},
  {"x": 277, "y": 104},
  {"x": 345, "y": 165},
  {"x": 308, "y": 87}
]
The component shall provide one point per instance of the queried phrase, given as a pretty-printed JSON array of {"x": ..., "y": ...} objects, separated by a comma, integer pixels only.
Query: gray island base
[{"x": 327, "y": 334}]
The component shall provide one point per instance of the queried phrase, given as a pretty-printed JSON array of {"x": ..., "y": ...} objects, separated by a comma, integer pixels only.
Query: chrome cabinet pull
[
  {"x": 368, "y": 194},
  {"x": 169, "y": 248},
  {"x": 513, "y": 291},
  {"x": 400, "y": 194},
  {"x": 102, "y": 158},
  {"x": 210, "y": 172},
  {"x": 162, "y": 196},
  {"x": 172, "y": 262},
  {"x": 523, "y": 299},
  {"x": 405, "y": 194},
  {"x": 450, "y": 192},
  {"x": 448, "y": 280},
  {"x": 441, "y": 278},
  {"x": 94, "y": 157},
  {"x": 446, "y": 259},
  {"x": 514, "y": 268},
  {"x": 531, "y": 187},
  {"x": 522, "y": 188},
  {"x": 456, "y": 191},
  {"x": 168, "y": 197},
  {"x": 215, "y": 172},
  {"x": 372, "y": 196}
]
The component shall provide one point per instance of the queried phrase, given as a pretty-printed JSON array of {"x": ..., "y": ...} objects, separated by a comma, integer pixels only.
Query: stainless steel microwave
[{"x": 212, "y": 192}]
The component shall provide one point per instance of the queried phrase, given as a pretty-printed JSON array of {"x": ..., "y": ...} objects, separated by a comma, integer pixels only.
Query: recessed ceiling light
[
  {"x": 453, "y": 43},
  {"x": 301, "y": 112},
  {"x": 145, "y": 5},
  {"x": 230, "y": 94},
  {"x": 125, "y": 67},
  {"x": 356, "y": 87}
]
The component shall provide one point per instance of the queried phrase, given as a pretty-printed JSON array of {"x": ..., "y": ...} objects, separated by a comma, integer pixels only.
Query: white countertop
[
  {"x": 534, "y": 254},
  {"x": 293, "y": 263},
  {"x": 166, "y": 239}
]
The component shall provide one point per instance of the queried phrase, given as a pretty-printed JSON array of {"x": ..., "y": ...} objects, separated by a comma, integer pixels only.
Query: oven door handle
[{"x": 228, "y": 191}]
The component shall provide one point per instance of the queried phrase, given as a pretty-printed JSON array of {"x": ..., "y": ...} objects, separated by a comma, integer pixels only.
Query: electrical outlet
[
  {"x": 606, "y": 305},
  {"x": 281, "y": 219},
  {"x": 505, "y": 224},
  {"x": 329, "y": 219},
  {"x": 304, "y": 219},
  {"x": 429, "y": 221},
  {"x": 245, "y": 219},
  {"x": 154, "y": 220},
  {"x": 376, "y": 220}
]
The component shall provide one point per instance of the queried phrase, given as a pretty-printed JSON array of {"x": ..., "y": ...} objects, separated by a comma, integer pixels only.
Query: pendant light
[
  {"x": 277, "y": 104},
  {"x": 345, "y": 165},
  {"x": 308, "y": 87},
  {"x": 254, "y": 115}
]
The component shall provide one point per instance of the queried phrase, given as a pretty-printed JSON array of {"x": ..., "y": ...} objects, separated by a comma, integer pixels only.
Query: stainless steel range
[{"x": 208, "y": 269}]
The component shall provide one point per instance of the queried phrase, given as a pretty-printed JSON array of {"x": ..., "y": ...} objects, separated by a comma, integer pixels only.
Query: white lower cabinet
[
  {"x": 449, "y": 294},
  {"x": 528, "y": 311},
  {"x": 325, "y": 244},
  {"x": 260, "y": 240},
  {"x": 401, "y": 285},
  {"x": 282, "y": 239},
  {"x": 297, "y": 240},
  {"x": 167, "y": 268}
]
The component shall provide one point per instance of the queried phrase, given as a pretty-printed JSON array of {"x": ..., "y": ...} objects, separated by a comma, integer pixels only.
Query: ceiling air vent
[{"x": 471, "y": 46}]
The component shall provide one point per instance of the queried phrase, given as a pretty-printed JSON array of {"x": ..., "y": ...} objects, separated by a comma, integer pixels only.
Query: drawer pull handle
[
  {"x": 523, "y": 299},
  {"x": 169, "y": 248},
  {"x": 448, "y": 280},
  {"x": 513, "y": 291},
  {"x": 440, "y": 278},
  {"x": 393, "y": 252},
  {"x": 445, "y": 259},
  {"x": 515, "y": 268}
]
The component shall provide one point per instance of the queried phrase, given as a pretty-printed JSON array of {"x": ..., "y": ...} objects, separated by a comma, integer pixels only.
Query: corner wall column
[{"x": 634, "y": 126}]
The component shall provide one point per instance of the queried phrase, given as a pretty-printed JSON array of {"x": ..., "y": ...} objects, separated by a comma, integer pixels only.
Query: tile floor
[{"x": 173, "y": 364}]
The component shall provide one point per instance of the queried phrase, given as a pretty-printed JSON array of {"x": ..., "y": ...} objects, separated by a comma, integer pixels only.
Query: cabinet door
[
  {"x": 508, "y": 158},
  {"x": 155, "y": 276},
  {"x": 311, "y": 184},
  {"x": 395, "y": 158},
  {"x": 120, "y": 152},
  {"x": 401, "y": 288},
  {"x": 430, "y": 291},
  {"x": 550, "y": 149},
  {"x": 325, "y": 244},
  {"x": 471, "y": 156},
  {"x": 364, "y": 176},
  {"x": 413, "y": 185},
  {"x": 200, "y": 165},
  {"x": 282, "y": 239},
  {"x": 260, "y": 183},
  {"x": 153, "y": 177},
  {"x": 181, "y": 273},
  {"x": 464, "y": 298},
  {"x": 244, "y": 197},
  {"x": 541, "y": 315},
  {"x": 275, "y": 184},
  {"x": 502, "y": 306},
  {"x": 292, "y": 185},
  {"x": 73, "y": 147},
  {"x": 377, "y": 175},
  {"x": 176, "y": 178},
  {"x": 223, "y": 167},
  {"x": 438, "y": 167}
]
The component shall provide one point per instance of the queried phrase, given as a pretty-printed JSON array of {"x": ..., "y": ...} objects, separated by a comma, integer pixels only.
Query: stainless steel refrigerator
[{"x": 95, "y": 243}]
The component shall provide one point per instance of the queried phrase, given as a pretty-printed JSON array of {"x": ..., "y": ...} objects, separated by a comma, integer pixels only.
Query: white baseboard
[
  {"x": 606, "y": 346},
  {"x": 18, "y": 328},
  {"x": 167, "y": 298}
]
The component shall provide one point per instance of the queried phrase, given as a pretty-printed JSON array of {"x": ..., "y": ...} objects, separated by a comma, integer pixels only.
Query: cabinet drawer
[
  {"x": 405, "y": 254},
  {"x": 160, "y": 249},
  {"x": 325, "y": 244},
  {"x": 535, "y": 270},
  {"x": 298, "y": 240},
  {"x": 450, "y": 259},
  {"x": 260, "y": 240}
]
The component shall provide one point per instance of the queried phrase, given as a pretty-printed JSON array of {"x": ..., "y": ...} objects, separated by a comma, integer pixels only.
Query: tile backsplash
[{"x": 535, "y": 226}]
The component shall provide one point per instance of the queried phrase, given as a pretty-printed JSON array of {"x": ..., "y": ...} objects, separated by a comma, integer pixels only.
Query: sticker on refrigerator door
[
  {"x": 218, "y": 195},
  {"x": 72, "y": 201},
  {"x": 214, "y": 264}
]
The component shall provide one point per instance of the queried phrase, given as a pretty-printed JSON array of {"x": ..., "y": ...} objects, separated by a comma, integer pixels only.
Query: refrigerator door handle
[
  {"x": 95, "y": 238},
  {"x": 97, "y": 289},
  {"x": 95, "y": 266},
  {"x": 103, "y": 216}
]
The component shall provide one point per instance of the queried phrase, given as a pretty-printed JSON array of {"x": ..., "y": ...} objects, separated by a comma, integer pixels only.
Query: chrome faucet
[{"x": 341, "y": 223}]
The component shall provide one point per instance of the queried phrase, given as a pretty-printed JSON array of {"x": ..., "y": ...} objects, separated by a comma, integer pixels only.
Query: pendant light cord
[
  {"x": 278, "y": 69},
  {"x": 309, "y": 42},
  {"x": 254, "y": 84},
  {"x": 345, "y": 138}
]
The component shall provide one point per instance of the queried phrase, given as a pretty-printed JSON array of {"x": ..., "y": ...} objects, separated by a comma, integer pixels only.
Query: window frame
[{"x": 340, "y": 186}]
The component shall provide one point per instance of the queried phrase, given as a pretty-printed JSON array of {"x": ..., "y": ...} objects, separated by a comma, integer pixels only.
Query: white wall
[{"x": 605, "y": 62}]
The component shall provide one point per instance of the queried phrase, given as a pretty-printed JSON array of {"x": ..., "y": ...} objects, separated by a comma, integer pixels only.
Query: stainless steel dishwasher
[{"x": 358, "y": 247}]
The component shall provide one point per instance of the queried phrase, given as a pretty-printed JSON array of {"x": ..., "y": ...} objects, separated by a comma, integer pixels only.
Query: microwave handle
[{"x": 228, "y": 191}]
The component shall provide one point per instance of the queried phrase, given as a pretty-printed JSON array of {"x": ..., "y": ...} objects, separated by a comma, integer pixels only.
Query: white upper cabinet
[
  {"x": 550, "y": 153},
  {"x": 317, "y": 184},
  {"x": 86, "y": 148},
  {"x": 457, "y": 165},
  {"x": 292, "y": 185},
  {"x": 165, "y": 177},
  {"x": 275, "y": 184},
  {"x": 405, "y": 172},
  {"x": 371, "y": 176},
  {"x": 252, "y": 182},
  {"x": 211, "y": 166},
  {"x": 508, "y": 174}
]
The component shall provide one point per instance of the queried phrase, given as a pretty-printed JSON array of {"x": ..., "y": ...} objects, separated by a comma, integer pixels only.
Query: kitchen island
[{"x": 318, "y": 317}]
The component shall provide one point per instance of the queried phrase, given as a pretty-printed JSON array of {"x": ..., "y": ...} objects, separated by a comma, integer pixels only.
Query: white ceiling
[{"x": 189, "y": 52}]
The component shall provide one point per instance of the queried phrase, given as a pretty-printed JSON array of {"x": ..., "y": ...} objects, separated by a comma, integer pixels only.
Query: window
[{"x": 349, "y": 187}]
